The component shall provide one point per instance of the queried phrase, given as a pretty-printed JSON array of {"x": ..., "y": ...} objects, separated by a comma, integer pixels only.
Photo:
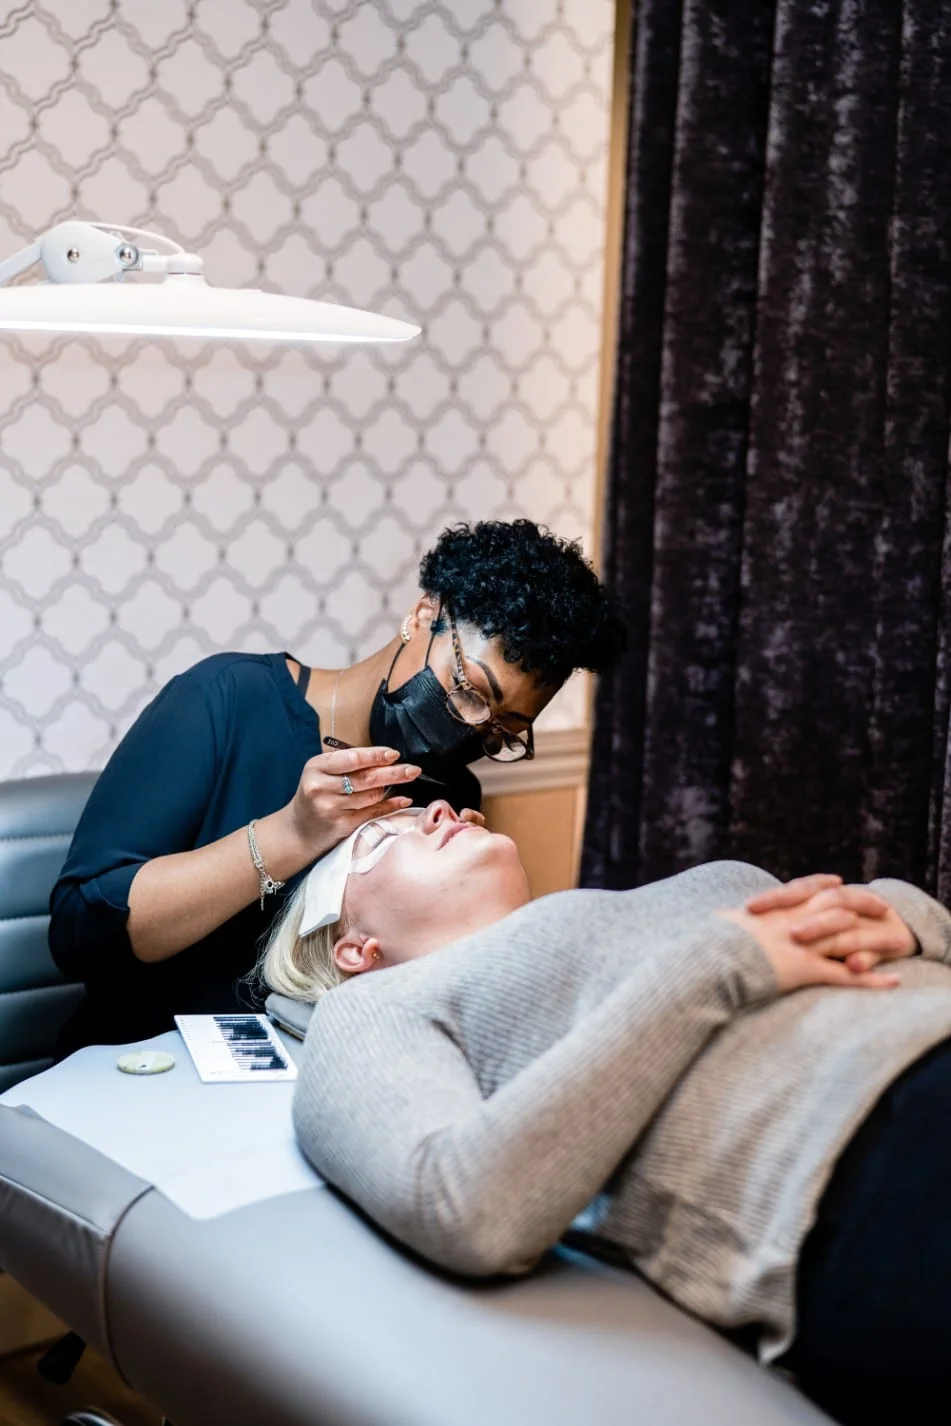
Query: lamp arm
[
  {"x": 126, "y": 231},
  {"x": 12, "y": 266},
  {"x": 130, "y": 256},
  {"x": 77, "y": 251}
]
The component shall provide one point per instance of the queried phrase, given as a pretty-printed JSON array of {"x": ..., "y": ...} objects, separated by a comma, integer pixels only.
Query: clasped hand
[{"x": 817, "y": 931}]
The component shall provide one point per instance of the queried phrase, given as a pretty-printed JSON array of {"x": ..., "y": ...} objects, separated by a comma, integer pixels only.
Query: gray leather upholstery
[
  {"x": 60, "y": 1203},
  {"x": 292, "y": 1016},
  {"x": 294, "y": 1312},
  {"x": 37, "y": 818}
]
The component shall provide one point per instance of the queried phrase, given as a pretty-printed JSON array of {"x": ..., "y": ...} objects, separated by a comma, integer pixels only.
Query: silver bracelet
[{"x": 268, "y": 884}]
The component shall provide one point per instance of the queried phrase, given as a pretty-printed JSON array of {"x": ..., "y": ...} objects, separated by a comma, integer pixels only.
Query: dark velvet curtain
[{"x": 776, "y": 513}]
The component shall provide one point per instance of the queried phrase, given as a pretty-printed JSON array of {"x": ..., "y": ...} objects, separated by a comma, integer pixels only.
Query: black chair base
[{"x": 58, "y": 1364}]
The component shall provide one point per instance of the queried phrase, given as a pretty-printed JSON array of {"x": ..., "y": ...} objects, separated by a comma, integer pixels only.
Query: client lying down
[{"x": 704, "y": 1073}]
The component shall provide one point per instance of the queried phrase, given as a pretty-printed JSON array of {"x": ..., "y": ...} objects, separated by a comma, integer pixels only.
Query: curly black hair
[{"x": 537, "y": 594}]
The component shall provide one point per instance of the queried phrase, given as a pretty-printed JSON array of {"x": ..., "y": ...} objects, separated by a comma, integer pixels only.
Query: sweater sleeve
[
  {"x": 927, "y": 918},
  {"x": 390, "y": 1111},
  {"x": 150, "y": 799}
]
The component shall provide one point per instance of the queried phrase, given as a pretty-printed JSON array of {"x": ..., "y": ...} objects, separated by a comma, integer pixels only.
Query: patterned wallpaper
[{"x": 437, "y": 160}]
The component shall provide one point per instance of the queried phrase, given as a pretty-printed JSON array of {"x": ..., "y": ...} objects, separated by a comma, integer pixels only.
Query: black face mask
[{"x": 415, "y": 720}]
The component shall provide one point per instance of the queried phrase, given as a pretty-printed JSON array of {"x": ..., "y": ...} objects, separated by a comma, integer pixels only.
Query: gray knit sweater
[{"x": 625, "y": 1057}]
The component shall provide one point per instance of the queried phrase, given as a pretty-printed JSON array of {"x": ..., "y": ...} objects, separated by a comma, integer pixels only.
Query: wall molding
[{"x": 562, "y": 757}]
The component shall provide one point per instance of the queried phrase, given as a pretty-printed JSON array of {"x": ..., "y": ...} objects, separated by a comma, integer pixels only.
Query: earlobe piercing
[
  {"x": 377, "y": 956},
  {"x": 405, "y": 634}
]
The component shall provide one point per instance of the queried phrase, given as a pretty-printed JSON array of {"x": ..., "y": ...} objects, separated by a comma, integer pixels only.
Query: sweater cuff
[
  {"x": 927, "y": 919},
  {"x": 748, "y": 975}
]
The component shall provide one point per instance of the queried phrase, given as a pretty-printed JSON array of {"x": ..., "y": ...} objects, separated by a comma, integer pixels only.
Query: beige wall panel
[{"x": 543, "y": 827}]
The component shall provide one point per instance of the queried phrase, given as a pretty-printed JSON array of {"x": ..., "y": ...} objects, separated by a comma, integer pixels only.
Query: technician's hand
[
  {"x": 796, "y": 964},
  {"x": 339, "y": 791},
  {"x": 469, "y": 814},
  {"x": 848, "y": 922}
]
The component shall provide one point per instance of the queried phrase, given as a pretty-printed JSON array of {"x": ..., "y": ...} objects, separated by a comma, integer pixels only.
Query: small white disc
[{"x": 146, "y": 1062}]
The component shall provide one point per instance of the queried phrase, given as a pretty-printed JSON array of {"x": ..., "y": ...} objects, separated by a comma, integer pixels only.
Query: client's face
[{"x": 440, "y": 879}]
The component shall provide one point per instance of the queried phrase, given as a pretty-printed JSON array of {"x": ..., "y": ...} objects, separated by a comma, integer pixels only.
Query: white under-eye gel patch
[
  {"x": 359, "y": 865},
  {"x": 327, "y": 879}
]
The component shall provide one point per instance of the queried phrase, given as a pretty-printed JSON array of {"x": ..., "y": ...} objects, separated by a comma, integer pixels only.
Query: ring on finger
[{"x": 347, "y": 786}]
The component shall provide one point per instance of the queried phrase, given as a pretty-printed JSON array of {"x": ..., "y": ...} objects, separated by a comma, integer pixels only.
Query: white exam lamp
[{"x": 86, "y": 291}]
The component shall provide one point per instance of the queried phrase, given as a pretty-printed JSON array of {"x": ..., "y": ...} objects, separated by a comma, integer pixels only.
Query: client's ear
[{"x": 355, "y": 953}]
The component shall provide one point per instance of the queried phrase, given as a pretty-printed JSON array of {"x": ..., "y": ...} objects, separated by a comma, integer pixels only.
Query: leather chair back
[{"x": 37, "y": 818}]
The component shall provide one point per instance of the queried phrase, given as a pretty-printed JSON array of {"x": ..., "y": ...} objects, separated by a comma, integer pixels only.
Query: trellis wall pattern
[{"x": 438, "y": 160}]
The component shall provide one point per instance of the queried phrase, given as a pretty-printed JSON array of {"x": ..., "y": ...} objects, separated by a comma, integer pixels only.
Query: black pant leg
[{"x": 873, "y": 1339}]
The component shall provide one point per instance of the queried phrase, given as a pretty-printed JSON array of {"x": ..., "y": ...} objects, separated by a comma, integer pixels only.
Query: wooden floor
[{"x": 27, "y": 1400}]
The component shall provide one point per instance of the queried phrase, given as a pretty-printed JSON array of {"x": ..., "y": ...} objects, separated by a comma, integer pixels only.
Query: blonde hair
[{"x": 301, "y": 967}]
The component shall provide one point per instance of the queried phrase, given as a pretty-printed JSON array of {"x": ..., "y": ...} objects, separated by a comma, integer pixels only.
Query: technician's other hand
[
  {"x": 468, "y": 814},
  {"x": 323, "y": 811}
]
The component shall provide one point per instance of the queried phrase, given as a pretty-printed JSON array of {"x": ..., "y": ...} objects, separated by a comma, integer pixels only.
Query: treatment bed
[{"x": 175, "y": 1227}]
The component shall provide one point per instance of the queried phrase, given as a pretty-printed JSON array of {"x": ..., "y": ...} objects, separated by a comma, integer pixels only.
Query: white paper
[{"x": 223, "y": 1052}]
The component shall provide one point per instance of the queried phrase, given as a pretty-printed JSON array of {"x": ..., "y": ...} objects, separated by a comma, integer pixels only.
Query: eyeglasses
[{"x": 468, "y": 705}]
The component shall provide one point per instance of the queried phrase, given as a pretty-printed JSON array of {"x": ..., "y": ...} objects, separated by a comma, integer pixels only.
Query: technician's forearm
[{"x": 177, "y": 900}]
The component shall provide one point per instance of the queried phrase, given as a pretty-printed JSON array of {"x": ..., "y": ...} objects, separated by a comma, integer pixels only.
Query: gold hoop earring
[{"x": 405, "y": 634}]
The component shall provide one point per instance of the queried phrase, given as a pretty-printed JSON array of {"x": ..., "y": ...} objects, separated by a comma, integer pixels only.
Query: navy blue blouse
[{"x": 222, "y": 743}]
